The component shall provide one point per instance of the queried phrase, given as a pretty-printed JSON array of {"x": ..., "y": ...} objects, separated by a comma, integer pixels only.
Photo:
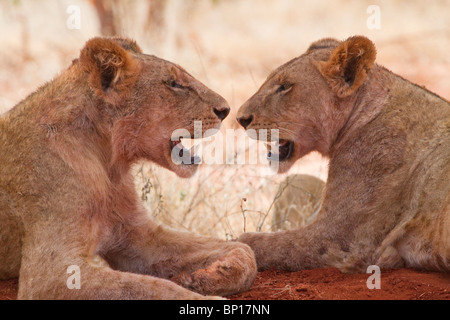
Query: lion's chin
[
  {"x": 281, "y": 167},
  {"x": 180, "y": 169},
  {"x": 183, "y": 170}
]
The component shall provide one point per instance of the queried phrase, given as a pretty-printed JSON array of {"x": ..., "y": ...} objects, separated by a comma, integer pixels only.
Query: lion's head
[
  {"x": 309, "y": 98},
  {"x": 152, "y": 103}
]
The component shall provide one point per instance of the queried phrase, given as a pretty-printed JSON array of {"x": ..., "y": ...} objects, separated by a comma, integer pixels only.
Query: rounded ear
[
  {"x": 112, "y": 69},
  {"x": 128, "y": 44},
  {"x": 348, "y": 65},
  {"x": 323, "y": 44}
]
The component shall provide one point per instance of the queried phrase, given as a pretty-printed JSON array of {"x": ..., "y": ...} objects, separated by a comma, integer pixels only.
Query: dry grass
[{"x": 231, "y": 46}]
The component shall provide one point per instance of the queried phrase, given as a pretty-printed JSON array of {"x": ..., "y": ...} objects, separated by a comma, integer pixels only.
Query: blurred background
[{"x": 231, "y": 46}]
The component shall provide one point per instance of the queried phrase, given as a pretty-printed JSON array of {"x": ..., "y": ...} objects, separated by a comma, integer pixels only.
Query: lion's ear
[
  {"x": 323, "y": 44},
  {"x": 128, "y": 44},
  {"x": 348, "y": 65},
  {"x": 111, "y": 68}
]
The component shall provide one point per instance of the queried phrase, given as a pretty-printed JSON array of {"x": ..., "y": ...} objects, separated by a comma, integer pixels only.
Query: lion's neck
[
  {"x": 79, "y": 128},
  {"x": 363, "y": 108}
]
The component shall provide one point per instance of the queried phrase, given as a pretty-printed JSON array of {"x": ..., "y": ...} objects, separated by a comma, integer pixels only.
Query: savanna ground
[{"x": 231, "y": 46}]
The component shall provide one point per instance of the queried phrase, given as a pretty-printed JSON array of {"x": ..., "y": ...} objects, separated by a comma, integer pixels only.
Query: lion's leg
[
  {"x": 205, "y": 265},
  {"x": 318, "y": 245},
  {"x": 288, "y": 250},
  {"x": 426, "y": 244},
  {"x": 349, "y": 228},
  {"x": 60, "y": 270},
  {"x": 96, "y": 283}
]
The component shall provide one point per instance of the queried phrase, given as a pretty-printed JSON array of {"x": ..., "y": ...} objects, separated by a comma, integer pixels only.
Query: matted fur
[
  {"x": 67, "y": 196},
  {"x": 387, "y": 197}
]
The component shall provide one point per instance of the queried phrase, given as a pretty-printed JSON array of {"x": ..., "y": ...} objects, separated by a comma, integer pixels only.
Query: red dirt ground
[
  {"x": 331, "y": 284},
  {"x": 328, "y": 284}
]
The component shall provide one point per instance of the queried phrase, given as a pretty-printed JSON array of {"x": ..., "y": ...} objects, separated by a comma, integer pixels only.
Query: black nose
[
  {"x": 222, "y": 113},
  {"x": 245, "y": 121}
]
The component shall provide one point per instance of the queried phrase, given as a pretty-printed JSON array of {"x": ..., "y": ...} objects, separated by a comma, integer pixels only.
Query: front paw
[{"x": 230, "y": 274}]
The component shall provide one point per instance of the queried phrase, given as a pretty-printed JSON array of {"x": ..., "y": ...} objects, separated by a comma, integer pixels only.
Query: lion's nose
[
  {"x": 245, "y": 121},
  {"x": 222, "y": 113}
]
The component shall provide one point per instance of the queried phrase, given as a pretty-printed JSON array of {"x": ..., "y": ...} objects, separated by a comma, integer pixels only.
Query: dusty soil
[
  {"x": 327, "y": 284},
  {"x": 331, "y": 284}
]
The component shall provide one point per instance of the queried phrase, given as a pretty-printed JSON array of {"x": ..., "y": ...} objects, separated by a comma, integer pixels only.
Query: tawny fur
[
  {"x": 387, "y": 197},
  {"x": 67, "y": 195}
]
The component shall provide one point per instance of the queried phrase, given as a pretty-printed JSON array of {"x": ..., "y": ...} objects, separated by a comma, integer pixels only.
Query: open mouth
[
  {"x": 282, "y": 151},
  {"x": 182, "y": 155}
]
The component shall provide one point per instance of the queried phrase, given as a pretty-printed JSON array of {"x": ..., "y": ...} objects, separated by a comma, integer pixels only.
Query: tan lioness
[
  {"x": 387, "y": 198},
  {"x": 71, "y": 223}
]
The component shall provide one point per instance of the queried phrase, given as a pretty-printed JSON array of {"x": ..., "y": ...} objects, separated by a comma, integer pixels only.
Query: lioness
[
  {"x": 71, "y": 223},
  {"x": 387, "y": 199}
]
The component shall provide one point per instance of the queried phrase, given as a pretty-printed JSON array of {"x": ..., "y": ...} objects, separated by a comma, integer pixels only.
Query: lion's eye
[
  {"x": 284, "y": 87},
  {"x": 174, "y": 84}
]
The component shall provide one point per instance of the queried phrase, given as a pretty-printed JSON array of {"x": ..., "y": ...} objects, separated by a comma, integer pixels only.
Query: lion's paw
[{"x": 232, "y": 273}]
